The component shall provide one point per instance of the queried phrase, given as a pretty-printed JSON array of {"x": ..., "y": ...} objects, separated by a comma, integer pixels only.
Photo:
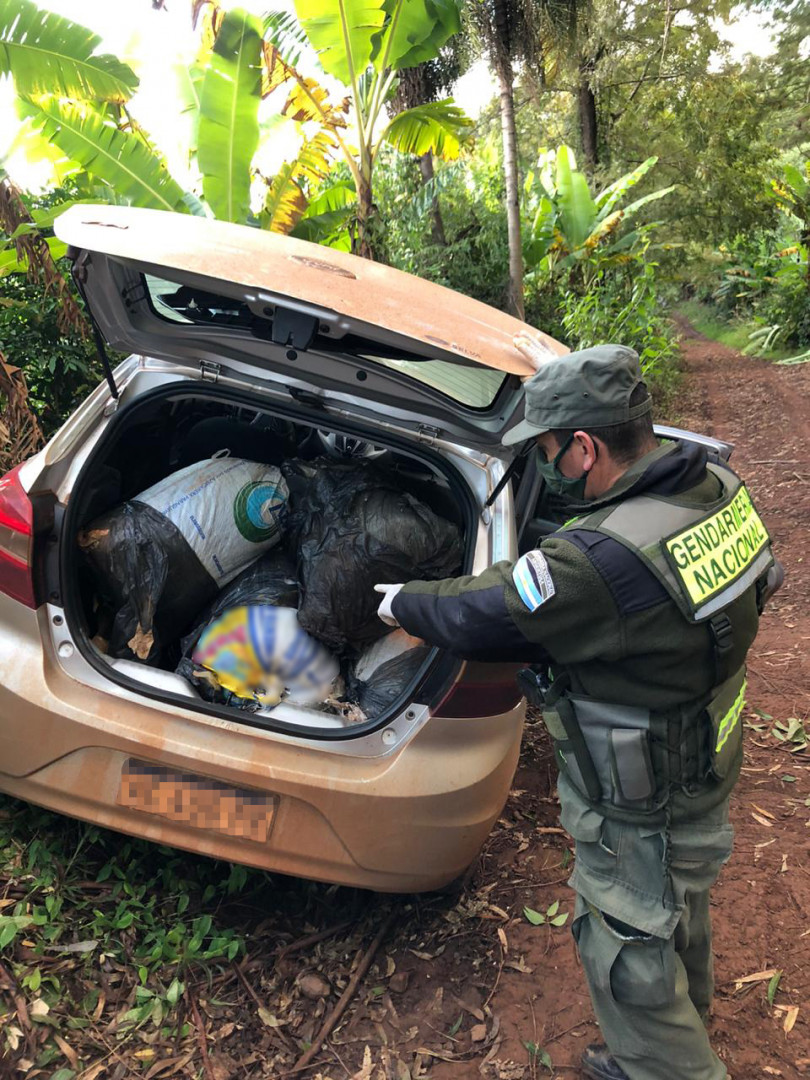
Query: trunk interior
[{"x": 171, "y": 429}]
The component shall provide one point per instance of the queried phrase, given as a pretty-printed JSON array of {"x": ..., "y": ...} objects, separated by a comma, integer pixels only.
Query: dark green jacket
[{"x": 606, "y": 619}]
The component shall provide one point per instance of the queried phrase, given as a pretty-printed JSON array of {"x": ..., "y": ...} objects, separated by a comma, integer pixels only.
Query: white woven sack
[{"x": 227, "y": 509}]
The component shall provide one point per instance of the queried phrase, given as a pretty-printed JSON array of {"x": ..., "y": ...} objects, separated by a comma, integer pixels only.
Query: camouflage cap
[{"x": 586, "y": 389}]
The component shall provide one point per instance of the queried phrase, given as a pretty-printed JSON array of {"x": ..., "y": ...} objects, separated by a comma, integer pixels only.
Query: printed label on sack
[
  {"x": 709, "y": 556},
  {"x": 532, "y": 579},
  {"x": 256, "y": 509}
]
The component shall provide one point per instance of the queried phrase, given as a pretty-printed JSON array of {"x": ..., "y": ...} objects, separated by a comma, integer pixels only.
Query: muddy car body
[{"x": 225, "y": 323}]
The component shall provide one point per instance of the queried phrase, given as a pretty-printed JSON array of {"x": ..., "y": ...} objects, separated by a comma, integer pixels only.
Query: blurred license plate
[{"x": 196, "y": 801}]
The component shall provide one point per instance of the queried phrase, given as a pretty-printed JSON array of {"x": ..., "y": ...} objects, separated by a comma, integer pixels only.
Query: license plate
[{"x": 196, "y": 801}]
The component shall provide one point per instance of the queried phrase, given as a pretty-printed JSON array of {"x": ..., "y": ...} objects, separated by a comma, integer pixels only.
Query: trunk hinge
[
  {"x": 428, "y": 433},
  {"x": 209, "y": 371}
]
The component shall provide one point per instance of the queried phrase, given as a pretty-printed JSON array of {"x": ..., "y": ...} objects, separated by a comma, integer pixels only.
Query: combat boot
[{"x": 598, "y": 1064}]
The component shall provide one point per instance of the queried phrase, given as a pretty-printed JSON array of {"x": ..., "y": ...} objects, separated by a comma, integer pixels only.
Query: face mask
[{"x": 572, "y": 487}]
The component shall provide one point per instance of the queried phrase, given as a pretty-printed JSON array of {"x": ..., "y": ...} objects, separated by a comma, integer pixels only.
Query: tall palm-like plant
[
  {"x": 792, "y": 194},
  {"x": 573, "y": 229},
  {"x": 365, "y": 44}
]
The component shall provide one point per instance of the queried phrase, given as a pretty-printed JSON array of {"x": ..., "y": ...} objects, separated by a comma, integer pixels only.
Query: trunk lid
[{"x": 271, "y": 307}]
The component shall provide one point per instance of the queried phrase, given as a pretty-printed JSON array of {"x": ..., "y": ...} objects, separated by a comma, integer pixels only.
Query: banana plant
[
  {"x": 792, "y": 195},
  {"x": 570, "y": 227},
  {"x": 75, "y": 100},
  {"x": 363, "y": 44}
]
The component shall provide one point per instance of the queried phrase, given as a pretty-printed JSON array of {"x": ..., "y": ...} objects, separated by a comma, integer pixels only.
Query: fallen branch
[
  {"x": 347, "y": 995},
  {"x": 310, "y": 939},
  {"x": 201, "y": 1037}
]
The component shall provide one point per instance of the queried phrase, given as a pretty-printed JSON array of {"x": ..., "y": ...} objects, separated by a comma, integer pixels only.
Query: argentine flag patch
[{"x": 532, "y": 579}]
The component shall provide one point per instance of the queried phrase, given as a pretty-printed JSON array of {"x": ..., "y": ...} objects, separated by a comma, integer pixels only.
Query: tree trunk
[
  {"x": 437, "y": 224},
  {"x": 587, "y": 118},
  {"x": 512, "y": 180},
  {"x": 361, "y": 241}
]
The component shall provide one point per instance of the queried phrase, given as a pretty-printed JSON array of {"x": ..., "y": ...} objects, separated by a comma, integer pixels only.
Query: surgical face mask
[{"x": 572, "y": 487}]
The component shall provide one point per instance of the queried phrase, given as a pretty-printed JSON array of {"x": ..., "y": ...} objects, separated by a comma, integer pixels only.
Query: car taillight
[
  {"x": 16, "y": 531},
  {"x": 482, "y": 690}
]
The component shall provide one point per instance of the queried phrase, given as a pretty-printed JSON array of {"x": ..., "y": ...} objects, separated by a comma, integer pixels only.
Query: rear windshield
[{"x": 474, "y": 387}]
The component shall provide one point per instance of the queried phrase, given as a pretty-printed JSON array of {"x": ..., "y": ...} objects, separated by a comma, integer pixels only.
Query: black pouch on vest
[
  {"x": 618, "y": 738},
  {"x": 724, "y": 712}
]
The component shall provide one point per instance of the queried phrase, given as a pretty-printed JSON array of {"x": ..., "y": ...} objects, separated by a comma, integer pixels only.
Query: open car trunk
[{"x": 177, "y": 429}]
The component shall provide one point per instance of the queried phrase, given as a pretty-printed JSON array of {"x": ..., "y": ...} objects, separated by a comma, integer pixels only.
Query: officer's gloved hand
[
  {"x": 384, "y": 610},
  {"x": 533, "y": 349}
]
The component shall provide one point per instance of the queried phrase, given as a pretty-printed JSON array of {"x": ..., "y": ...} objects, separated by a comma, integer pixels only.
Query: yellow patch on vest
[{"x": 709, "y": 556}]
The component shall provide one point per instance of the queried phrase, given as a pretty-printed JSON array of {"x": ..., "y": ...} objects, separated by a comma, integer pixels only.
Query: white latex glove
[
  {"x": 384, "y": 610},
  {"x": 534, "y": 350}
]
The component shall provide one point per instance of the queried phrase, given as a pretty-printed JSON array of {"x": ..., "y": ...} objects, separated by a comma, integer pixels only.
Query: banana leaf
[
  {"x": 343, "y": 33},
  {"x": 228, "y": 133},
  {"x": 189, "y": 89},
  {"x": 797, "y": 182},
  {"x": 612, "y": 221},
  {"x": 414, "y": 32},
  {"x": 607, "y": 199},
  {"x": 284, "y": 31},
  {"x": 577, "y": 210},
  {"x": 48, "y": 54},
  {"x": 333, "y": 199},
  {"x": 119, "y": 158},
  {"x": 440, "y": 127},
  {"x": 286, "y": 201}
]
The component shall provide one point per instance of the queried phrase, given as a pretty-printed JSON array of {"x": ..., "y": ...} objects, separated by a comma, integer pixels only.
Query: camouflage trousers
[{"x": 643, "y": 930}]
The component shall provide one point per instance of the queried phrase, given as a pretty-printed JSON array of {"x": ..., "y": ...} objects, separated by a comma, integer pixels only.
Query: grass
[
  {"x": 734, "y": 334},
  {"x": 113, "y": 948}
]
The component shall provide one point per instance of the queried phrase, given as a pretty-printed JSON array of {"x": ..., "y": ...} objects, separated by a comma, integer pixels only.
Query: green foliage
[
  {"x": 415, "y": 32},
  {"x": 131, "y": 169},
  {"x": 60, "y": 370},
  {"x": 470, "y": 192},
  {"x": 342, "y": 34},
  {"x": 438, "y": 127},
  {"x": 624, "y": 307},
  {"x": 539, "y": 1056},
  {"x": 56, "y": 56},
  {"x": 350, "y": 35},
  {"x": 150, "y": 915},
  {"x": 551, "y": 915},
  {"x": 228, "y": 131},
  {"x": 570, "y": 227},
  {"x": 364, "y": 43},
  {"x": 760, "y": 281}
]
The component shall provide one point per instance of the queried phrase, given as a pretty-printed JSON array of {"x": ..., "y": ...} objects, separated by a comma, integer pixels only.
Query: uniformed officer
[{"x": 643, "y": 606}]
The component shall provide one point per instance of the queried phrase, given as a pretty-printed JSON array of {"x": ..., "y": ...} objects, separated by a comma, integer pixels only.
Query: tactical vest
[{"x": 627, "y": 761}]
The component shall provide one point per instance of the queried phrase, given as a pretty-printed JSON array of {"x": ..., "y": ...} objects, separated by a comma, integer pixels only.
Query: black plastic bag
[
  {"x": 144, "y": 569},
  {"x": 378, "y": 692},
  {"x": 351, "y": 526},
  {"x": 269, "y": 580}
]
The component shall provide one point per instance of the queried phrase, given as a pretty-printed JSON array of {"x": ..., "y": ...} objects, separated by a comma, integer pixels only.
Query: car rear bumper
[{"x": 409, "y": 821}]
